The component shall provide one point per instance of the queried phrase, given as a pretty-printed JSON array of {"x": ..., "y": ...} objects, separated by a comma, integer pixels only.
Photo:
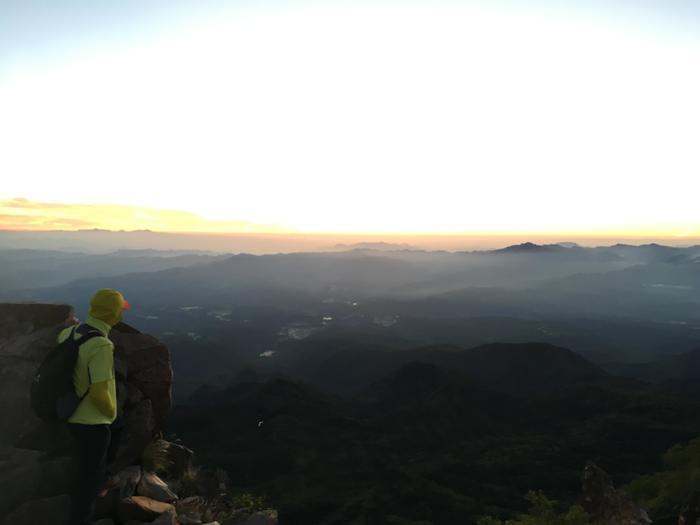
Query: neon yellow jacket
[{"x": 94, "y": 372}]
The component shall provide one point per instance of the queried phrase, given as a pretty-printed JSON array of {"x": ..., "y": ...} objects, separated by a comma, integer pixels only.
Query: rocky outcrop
[
  {"x": 199, "y": 510},
  {"x": 36, "y": 466},
  {"x": 179, "y": 460},
  {"x": 607, "y": 505},
  {"x": 45, "y": 510},
  {"x": 142, "y": 363},
  {"x": 27, "y": 334},
  {"x": 141, "y": 508},
  {"x": 36, "y": 463},
  {"x": 263, "y": 517},
  {"x": 690, "y": 513},
  {"x": 127, "y": 481},
  {"x": 20, "y": 477},
  {"x": 135, "y": 430},
  {"x": 148, "y": 370},
  {"x": 32, "y": 478},
  {"x": 151, "y": 486}
]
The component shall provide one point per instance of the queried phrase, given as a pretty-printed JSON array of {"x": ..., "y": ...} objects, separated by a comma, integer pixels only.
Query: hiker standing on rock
[{"x": 95, "y": 386}]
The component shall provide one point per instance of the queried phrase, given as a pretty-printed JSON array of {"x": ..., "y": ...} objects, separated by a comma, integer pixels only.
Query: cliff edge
[{"x": 158, "y": 480}]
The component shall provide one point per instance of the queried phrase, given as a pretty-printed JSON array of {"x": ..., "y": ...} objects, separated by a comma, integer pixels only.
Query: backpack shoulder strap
[
  {"x": 86, "y": 332},
  {"x": 69, "y": 338}
]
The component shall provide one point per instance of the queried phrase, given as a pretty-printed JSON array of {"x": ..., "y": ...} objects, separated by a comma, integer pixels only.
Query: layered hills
[
  {"x": 438, "y": 435},
  {"x": 388, "y": 385}
]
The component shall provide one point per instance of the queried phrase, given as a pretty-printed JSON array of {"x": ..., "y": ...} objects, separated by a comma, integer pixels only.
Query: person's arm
[
  {"x": 63, "y": 335},
  {"x": 101, "y": 370},
  {"x": 99, "y": 393}
]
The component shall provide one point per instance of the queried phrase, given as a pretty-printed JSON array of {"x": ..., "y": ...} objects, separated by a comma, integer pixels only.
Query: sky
[{"x": 459, "y": 117}]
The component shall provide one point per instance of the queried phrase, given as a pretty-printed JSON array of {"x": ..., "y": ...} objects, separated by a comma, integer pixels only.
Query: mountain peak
[{"x": 531, "y": 247}]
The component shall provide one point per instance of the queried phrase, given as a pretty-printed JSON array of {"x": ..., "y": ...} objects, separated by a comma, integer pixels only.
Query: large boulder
[
  {"x": 263, "y": 517},
  {"x": 607, "y": 505},
  {"x": 20, "y": 477},
  {"x": 148, "y": 368},
  {"x": 690, "y": 513},
  {"x": 179, "y": 459},
  {"x": 137, "y": 432},
  {"x": 27, "y": 333},
  {"x": 54, "y": 439},
  {"x": 18, "y": 319},
  {"x": 128, "y": 480},
  {"x": 34, "y": 457},
  {"x": 57, "y": 474},
  {"x": 133, "y": 395},
  {"x": 155, "y": 488},
  {"x": 169, "y": 518},
  {"x": 47, "y": 510},
  {"x": 192, "y": 508},
  {"x": 140, "y": 508},
  {"x": 36, "y": 467}
]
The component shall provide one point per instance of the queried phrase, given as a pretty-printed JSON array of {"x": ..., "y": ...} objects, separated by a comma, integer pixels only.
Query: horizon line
[{"x": 293, "y": 233}]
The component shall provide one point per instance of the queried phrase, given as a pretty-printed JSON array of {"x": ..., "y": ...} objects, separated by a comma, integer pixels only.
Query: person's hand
[{"x": 71, "y": 320}]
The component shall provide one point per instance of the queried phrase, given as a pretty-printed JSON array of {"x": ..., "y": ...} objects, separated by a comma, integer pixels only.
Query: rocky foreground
[{"x": 158, "y": 481}]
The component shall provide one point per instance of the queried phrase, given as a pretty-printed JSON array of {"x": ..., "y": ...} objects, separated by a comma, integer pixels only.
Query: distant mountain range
[
  {"x": 386, "y": 246},
  {"x": 24, "y": 268},
  {"x": 105, "y": 241},
  {"x": 616, "y": 305}
]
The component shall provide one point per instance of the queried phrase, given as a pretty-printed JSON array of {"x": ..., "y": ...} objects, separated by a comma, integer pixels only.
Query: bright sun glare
[{"x": 394, "y": 118}]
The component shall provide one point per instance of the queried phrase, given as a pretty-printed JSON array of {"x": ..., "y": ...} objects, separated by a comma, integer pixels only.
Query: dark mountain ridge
[
  {"x": 520, "y": 368},
  {"x": 443, "y": 434}
]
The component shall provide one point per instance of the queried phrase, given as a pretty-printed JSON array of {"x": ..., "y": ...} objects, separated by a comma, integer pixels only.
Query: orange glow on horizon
[
  {"x": 24, "y": 214},
  {"x": 21, "y": 214}
]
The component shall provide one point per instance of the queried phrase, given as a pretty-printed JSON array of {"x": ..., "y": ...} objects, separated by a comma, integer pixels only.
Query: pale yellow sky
[
  {"x": 402, "y": 118},
  {"x": 23, "y": 214}
]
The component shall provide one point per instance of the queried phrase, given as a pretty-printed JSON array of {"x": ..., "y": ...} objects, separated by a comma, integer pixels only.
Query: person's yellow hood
[{"x": 108, "y": 305}]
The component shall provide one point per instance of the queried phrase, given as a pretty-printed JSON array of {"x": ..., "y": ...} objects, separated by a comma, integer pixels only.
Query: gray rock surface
[
  {"x": 136, "y": 434},
  {"x": 155, "y": 488},
  {"x": 57, "y": 475},
  {"x": 263, "y": 517},
  {"x": 140, "y": 508},
  {"x": 690, "y": 513},
  {"x": 148, "y": 368},
  {"x": 35, "y": 462},
  {"x": 27, "y": 333},
  {"x": 169, "y": 518},
  {"x": 52, "y": 511},
  {"x": 607, "y": 505},
  {"x": 36, "y": 466},
  {"x": 127, "y": 480},
  {"x": 20, "y": 477},
  {"x": 180, "y": 458}
]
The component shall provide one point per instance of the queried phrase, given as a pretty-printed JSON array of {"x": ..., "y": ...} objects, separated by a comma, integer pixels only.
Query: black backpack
[{"x": 52, "y": 394}]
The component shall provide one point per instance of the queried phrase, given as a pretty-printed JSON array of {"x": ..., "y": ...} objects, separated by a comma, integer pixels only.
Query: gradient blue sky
[
  {"x": 571, "y": 116},
  {"x": 36, "y": 33}
]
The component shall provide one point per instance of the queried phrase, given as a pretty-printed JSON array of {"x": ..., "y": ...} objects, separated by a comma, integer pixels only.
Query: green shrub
[
  {"x": 543, "y": 511},
  {"x": 249, "y": 502},
  {"x": 664, "y": 493},
  {"x": 155, "y": 457}
]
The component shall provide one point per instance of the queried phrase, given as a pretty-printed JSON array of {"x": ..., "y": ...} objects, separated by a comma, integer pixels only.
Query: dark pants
[{"x": 92, "y": 443}]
